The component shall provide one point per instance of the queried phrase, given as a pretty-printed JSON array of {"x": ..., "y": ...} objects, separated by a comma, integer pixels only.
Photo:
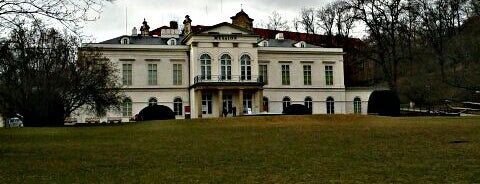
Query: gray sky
[{"x": 202, "y": 12}]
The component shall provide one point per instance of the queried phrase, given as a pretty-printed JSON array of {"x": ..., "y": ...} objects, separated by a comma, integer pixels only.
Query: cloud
[{"x": 203, "y": 12}]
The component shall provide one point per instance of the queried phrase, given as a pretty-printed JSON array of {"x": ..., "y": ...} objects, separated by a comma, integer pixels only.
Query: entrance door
[
  {"x": 228, "y": 102},
  {"x": 247, "y": 104}
]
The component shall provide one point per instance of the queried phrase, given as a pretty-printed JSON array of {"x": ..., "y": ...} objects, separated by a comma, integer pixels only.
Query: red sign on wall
[{"x": 187, "y": 109}]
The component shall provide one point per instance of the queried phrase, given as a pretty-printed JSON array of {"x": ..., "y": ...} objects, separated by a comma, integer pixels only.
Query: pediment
[{"x": 225, "y": 28}]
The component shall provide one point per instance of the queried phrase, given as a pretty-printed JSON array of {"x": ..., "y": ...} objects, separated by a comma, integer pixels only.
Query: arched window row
[
  {"x": 177, "y": 104},
  {"x": 225, "y": 62}
]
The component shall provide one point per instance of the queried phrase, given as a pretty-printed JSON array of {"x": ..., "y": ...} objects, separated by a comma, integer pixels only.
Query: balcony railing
[{"x": 228, "y": 79}]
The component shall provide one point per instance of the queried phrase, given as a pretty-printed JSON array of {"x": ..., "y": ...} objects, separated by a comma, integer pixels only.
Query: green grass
[{"x": 288, "y": 149}]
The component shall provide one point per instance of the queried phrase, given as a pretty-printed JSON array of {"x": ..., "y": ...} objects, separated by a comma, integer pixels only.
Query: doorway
[{"x": 228, "y": 102}]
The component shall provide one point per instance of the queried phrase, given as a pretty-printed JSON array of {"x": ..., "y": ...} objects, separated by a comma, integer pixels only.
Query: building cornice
[
  {"x": 120, "y": 47},
  {"x": 202, "y": 36},
  {"x": 305, "y": 89},
  {"x": 295, "y": 50}
]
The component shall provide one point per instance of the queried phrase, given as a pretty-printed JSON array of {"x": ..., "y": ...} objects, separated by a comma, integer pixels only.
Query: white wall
[
  {"x": 317, "y": 61},
  {"x": 297, "y": 96},
  {"x": 140, "y": 67},
  {"x": 362, "y": 93},
  {"x": 273, "y": 57}
]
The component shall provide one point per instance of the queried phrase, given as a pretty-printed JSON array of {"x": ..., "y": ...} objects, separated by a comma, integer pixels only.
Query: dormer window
[
  {"x": 301, "y": 44},
  {"x": 263, "y": 43},
  {"x": 125, "y": 41},
  {"x": 172, "y": 41}
]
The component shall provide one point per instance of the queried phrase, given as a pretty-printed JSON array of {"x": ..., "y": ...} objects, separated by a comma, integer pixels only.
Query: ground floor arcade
[{"x": 214, "y": 101}]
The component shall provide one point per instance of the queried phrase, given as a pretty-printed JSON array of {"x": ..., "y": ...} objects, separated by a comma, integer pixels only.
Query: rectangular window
[
  {"x": 329, "y": 75},
  {"x": 177, "y": 74},
  {"x": 285, "y": 74},
  {"x": 307, "y": 75},
  {"x": 152, "y": 74},
  {"x": 263, "y": 73},
  {"x": 206, "y": 104},
  {"x": 127, "y": 74}
]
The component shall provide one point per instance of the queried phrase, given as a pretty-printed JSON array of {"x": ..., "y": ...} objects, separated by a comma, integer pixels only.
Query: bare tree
[
  {"x": 345, "y": 18},
  {"x": 326, "y": 19},
  {"x": 307, "y": 20},
  {"x": 381, "y": 17},
  {"x": 336, "y": 16},
  {"x": 475, "y": 7},
  {"x": 45, "y": 79},
  {"x": 277, "y": 22},
  {"x": 67, "y": 12},
  {"x": 296, "y": 24},
  {"x": 440, "y": 21}
]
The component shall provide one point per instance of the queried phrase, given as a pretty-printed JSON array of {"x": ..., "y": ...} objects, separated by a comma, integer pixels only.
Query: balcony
[{"x": 221, "y": 80}]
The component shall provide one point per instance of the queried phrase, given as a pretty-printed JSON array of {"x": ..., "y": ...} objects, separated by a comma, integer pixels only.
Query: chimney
[
  {"x": 134, "y": 31},
  {"x": 279, "y": 36},
  {"x": 173, "y": 25}
]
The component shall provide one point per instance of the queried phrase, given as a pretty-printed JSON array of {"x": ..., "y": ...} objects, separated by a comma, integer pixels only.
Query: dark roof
[
  {"x": 158, "y": 30},
  {"x": 285, "y": 43},
  {"x": 200, "y": 28},
  {"x": 242, "y": 13},
  {"x": 141, "y": 40},
  {"x": 314, "y": 39},
  {"x": 290, "y": 38}
]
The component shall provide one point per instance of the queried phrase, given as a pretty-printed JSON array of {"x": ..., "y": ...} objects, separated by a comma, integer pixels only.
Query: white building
[{"x": 207, "y": 68}]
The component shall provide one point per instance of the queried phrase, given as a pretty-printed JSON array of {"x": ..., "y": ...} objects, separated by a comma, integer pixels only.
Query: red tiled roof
[{"x": 314, "y": 39}]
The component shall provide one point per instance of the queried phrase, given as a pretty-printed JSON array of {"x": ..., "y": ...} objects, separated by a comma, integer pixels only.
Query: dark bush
[
  {"x": 384, "y": 103},
  {"x": 155, "y": 112},
  {"x": 46, "y": 109},
  {"x": 297, "y": 109}
]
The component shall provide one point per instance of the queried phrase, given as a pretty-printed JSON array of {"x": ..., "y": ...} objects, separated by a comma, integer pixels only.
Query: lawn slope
[{"x": 284, "y": 149}]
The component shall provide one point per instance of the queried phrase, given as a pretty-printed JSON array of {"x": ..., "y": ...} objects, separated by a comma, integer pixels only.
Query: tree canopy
[
  {"x": 66, "y": 12},
  {"x": 45, "y": 78}
]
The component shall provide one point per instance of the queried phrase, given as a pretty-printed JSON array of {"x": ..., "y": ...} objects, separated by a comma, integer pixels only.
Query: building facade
[{"x": 206, "y": 69}]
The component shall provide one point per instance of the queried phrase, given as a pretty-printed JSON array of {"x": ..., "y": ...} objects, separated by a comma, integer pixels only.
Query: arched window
[
  {"x": 127, "y": 107},
  {"x": 264, "y": 43},
  {"x": 265, "y": 104},
  {"x": 330, "y": 105},
  {"x": 302, "y": 44},
  {"x": 206, "y": 66},
  {"x": 357, "y": 105},
  {"x": 285, "y": 102},
  {"x": 309, "y": 103},
  {"x": 246, "y": 68},
  {"x": 177, "y": 106},
  {"x": 125, "y": 41},
  {"x": 172, "y": 41},
  {"x": 226, "y": 67},
  {"x": 152, "y": 101}
]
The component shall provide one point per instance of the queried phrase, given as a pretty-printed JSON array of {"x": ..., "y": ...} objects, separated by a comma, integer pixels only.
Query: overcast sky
[{"x": 111, "y": 22}]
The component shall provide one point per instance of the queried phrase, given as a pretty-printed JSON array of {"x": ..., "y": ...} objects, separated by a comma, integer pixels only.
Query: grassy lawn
[{"x": 288, "y": 149}]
